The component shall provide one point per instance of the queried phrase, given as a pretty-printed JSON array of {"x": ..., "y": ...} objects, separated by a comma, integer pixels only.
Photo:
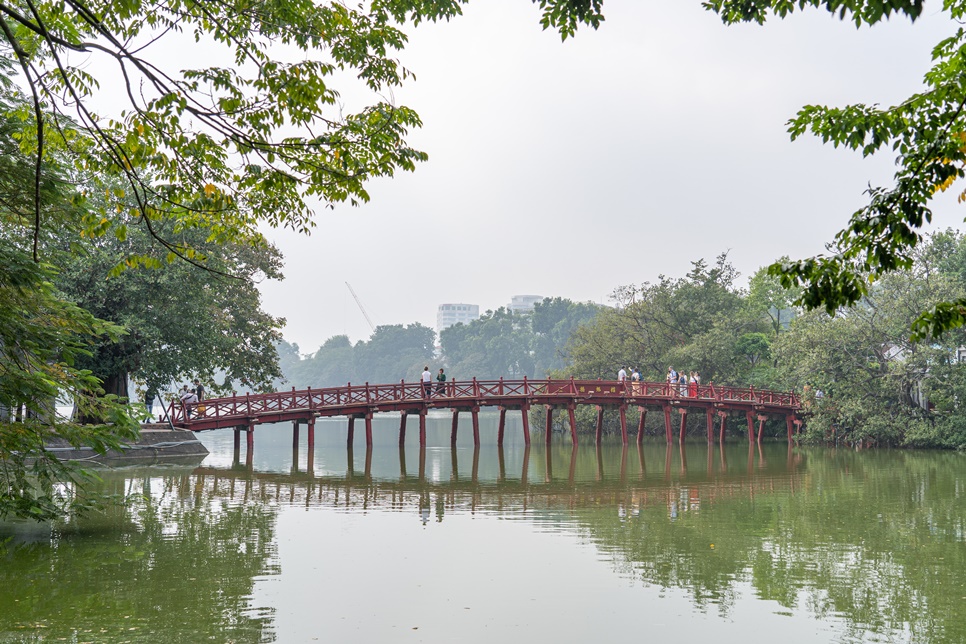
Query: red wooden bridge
[{"x": 407, "y": 398}]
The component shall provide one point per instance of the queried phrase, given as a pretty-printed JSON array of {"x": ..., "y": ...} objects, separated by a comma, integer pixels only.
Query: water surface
[{"x": 670, "y": 544}]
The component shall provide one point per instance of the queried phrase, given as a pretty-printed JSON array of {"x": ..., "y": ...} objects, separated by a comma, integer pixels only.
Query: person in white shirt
[
  {"x": 188, "y": 398},
  {"x": 427, "y": 382},
  {"x": 622, "y": 374}
]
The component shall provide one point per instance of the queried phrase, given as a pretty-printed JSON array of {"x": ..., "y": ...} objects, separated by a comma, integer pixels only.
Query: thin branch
[{"x": 39, "y": 116}]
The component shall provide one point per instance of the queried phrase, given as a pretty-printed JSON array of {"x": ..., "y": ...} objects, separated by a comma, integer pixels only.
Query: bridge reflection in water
[{"x": 628, "y": 477}]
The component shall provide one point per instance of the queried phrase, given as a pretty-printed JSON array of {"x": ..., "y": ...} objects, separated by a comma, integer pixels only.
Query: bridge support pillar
[
  {"x": 250, "y": 445},
  {"x": 351, "y": 434},
  {"x": 761, "y": 425},
  {"x": 456, "y": 422},
  {"x": 369, "y": 430},
  {"x": 684, "y": 425},
  {"x": 790, "y": 426},
  {"x": 525, "y": 411},
  {"x": 549, "y": 409},
  {"x": 722, "y": 415},
  {"x": 667, "y": 422},
  {"x": 237, "y": 443},
  {"x": 310, "y": 450},
  {"x": 709, "y": 418},
  {"x": 475, "y": 413},
  {"x": 422, "y": 433},
  {"x": 402, "y": 429},
  {"x": 295, "y": 434},
  {"x": 573, "y": 424},
  {"x": 623, "y": 416},
  {"x": 642, "y": 411},
  {"x": 750, "y": 419},
  {"x": 600, "y": 424},
  {"x": 499, "y": 432}
]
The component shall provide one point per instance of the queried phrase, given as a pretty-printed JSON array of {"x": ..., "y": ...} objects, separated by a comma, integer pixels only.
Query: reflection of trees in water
[
  {"x": 874, "y": 538},
  {"x": 176, "y": 565}
]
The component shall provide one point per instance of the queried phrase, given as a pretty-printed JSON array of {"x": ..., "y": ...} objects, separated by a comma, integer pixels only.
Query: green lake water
[{"x": 663, "y": 544}]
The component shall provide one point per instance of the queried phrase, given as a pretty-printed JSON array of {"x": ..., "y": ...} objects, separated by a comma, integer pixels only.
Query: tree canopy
[{"x": 926, "y": 132}]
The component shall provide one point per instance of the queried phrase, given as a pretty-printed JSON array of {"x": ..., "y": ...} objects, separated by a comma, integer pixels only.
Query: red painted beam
[
  {"x": 549, "y": 427},
  {"x": 525, "y": 411},
  {"x": 573, "y": 424},
  {"x": 622, "y": 411},
  {"x": 476, "y": 426},
  {"x": 600, "y": 424}
]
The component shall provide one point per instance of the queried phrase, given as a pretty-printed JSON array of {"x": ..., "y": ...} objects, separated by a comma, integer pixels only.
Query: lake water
[{"x": 662, "y": 544}]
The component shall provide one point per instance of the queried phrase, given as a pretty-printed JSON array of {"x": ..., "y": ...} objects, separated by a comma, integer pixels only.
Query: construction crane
[{"x": 361, "y": 308}]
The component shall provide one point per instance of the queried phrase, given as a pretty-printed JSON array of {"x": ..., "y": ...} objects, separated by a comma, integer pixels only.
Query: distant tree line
[{"x": 499, "y": 344}]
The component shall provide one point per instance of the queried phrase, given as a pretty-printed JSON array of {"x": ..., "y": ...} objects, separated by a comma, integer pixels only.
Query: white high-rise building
[
  {"x": 449, "y": 314},
  {"x": 524, "y": 303}
]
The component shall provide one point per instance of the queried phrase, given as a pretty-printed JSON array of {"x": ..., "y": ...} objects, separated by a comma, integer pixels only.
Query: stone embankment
[{"x": 158, "y": 443}]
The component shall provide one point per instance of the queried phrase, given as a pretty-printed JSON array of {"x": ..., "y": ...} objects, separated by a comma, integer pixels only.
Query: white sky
[{"x": 568, "y": 169}]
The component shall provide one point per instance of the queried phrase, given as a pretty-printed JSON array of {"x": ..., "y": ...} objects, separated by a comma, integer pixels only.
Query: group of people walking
[
  {"x": 680, "y": 384},
  {"x": 684, "y": 384}
]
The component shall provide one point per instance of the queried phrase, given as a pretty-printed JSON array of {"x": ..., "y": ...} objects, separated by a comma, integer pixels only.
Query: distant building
[
  {"x": 524, "y": 303},
  {"x": 449, "y": 314}
]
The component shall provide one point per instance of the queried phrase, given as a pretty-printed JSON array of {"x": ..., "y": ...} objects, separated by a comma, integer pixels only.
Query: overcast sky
[{"x": 568, "y": 169}]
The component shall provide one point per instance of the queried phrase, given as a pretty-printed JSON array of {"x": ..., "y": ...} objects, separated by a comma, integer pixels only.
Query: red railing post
[
  {"x": 525, "y": 392},
  {"x": 402, "y": 390},
  {"x": 311, "y": 404},
  {"x": 476, "y": 388},
  {"x": 573, "y": 386},
  {"x": 501, "y": 385},
  {"x": 248, "y": 404},
  {"x": 368, "y": 399}
]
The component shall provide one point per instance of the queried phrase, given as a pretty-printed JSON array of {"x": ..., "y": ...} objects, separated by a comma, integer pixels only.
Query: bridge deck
[{"x": 362, "y": 401}]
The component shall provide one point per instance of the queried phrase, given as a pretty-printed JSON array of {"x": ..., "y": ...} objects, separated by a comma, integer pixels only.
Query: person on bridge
[
  {"x": 672, "y": 380},
  {"x": 199, "y": 390},
  {"x": 427, "y": 382},
  {"x": 188, "y": 398},
  {"x": 635, "y": 380},
  {"x": 693, "y": 385},
  {"x": 622, "y": 374},
  {"x": 440, "y": 382},
  {"x": 683, "y": 384}
]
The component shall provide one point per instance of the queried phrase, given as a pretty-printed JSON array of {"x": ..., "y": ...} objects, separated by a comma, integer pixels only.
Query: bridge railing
[{"x": 350, "y": 396}]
